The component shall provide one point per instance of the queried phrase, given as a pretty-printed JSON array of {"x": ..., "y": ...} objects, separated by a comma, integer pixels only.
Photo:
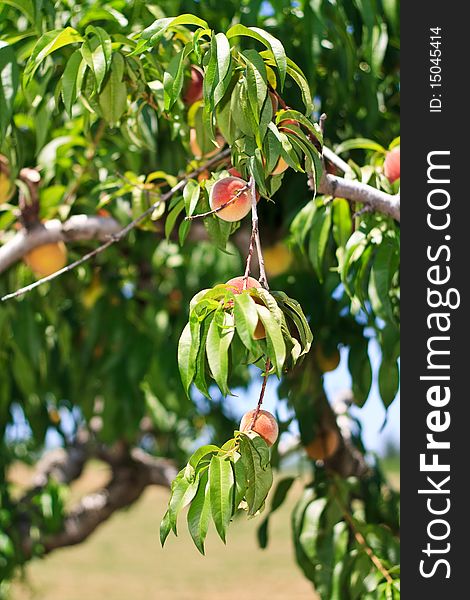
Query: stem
[
  {"x": 261, "y": 396},
  {"x": 120, "y": 234},
  {"x": 248, "y": 261},
  {"x": 282, "y": 104},
  {"x": 361, "y": 540},
  {"x": 255, "y": 234}
]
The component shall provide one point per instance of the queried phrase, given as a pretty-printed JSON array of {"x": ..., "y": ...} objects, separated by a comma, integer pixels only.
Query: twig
[
  {"x": 282, "y": 104},
  {"x": 365, "y": 546},
  {"x": 120, "y": 234},
  {"x": 335, "y": 160},
  {"x": 248, "y": 261},
  {"x": 219, "y": 208},
  {"x": 255, "y": 233},
  {"x": 261, "y": 395}
]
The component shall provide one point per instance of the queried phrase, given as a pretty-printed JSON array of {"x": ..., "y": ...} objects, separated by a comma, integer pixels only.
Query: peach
[
  {"x": 233, "y": 171},
  {"x": 237, "y": 287},
  {"x": 265, "y": 425},
  {"x": 280, "y": 167},
  {"x": 5, "y": 182},
  {"x": 392, "y": 165},
  {"x": 225, "y": 189},
  {"x": 277, "y": 259},
  {"x": 324, "y": 445},
  {"x": 47, "y": 259},
  {"x": 326, "y": 362},
  {"x": 193, "y": 90},
  {"x": 237, "y": 284},
  {"x": 196, "y": 148}
]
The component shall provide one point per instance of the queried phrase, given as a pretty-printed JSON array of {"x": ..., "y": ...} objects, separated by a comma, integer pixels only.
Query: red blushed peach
[
  {"x": 392, "y": 165},
  {"x": 234, "y": 173},
  {"x": 236, "y": 283},
  {"x": 193, "y": 90},
  {"x": 224, "y": 190},
  {"x": 265, "y": 425},
  {"x": 237, "y": 287}
]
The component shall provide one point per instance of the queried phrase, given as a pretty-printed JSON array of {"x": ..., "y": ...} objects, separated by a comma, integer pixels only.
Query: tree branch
[
  {"x": 356, "y": 191},
  {"x": 132, "y": 473},
  {"x": 78, "y": 227},
  {"x": 120, "y": 234}
]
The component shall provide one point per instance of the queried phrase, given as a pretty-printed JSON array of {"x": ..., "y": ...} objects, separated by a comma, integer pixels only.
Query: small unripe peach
[
  {"x": 265, "y": 425},
  {"x": 225, "y": 189},
  {"x": 392, "y": 165},
  {"x": 47, "y": 259},
  {"x": 324, "y": 445},
  {"x": 193, "y": 90}
]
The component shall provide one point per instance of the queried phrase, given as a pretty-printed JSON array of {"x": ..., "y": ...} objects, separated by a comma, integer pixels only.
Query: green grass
[{"x": 123, "y": 560}]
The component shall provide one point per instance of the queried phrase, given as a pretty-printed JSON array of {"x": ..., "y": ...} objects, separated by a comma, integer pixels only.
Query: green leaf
[
  {"x": 224, "y": 59},
  {"x": 156, "y": 30},
  {"x": 183, "y": 491},
  {"x": 97, "y": 53},
  {"x": 279, "y": 495},
  {"x": 221, "y": 484},
  {"x": 361, "y": 371},
  {"x": 389, "y": 380},
  {"x": 219, "y": 338},
  {"x": 274, "y": 338},
  {"x": 200, "y": 453},
  {"x": 72, "y": 80},
  {"x": 361, "y": 144},
  {"x": 256, "y": 79},
  {"x": 191, "y": 194},
  {"x": 173, "y": 78},
  {"x": 113, "y": 98},
  {"x": 188, "y": 341},
  {"x": 380, "y": 279},
  {"x": 259, "y": 477},
  {"x": 239, "y": 474},
  {"x": 274, "y": 46},
  {"x": 9, "y": 81},
  {"x": 46, "y": 45},
  {"x": 342, "y": 222},
  {"x": 172, "y": 217},
  {"x": 199, "y": 513},
  {"x": 246, "y": 319},
  {"x": 200, "y": 375},
  {"x": 319, "y": 238}
]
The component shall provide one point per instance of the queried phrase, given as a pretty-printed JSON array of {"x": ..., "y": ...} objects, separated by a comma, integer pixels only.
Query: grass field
[{"x": 123, "y": 559}]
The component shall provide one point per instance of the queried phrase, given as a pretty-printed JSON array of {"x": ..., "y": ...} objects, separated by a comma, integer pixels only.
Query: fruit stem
[
  {"x": 255, "y": 235},
  {"x": 261, "y": 395}
]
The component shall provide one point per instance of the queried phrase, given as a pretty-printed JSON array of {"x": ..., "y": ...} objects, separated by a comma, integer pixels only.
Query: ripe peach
[
  {"x": 265, "y": 425},
  {"x": 237, "y": 284},
  {"x": 234, "y": 172},
  {"x": 47, "y": 259},
  {"x": 193, "y": 90},
  {"x": 392, "y": 165},
  {"x": 196, "y": 148},
  {"x": 225, "y": 189},
  {"x": 237, "y": 287},
  {"x": 277, "y": 259},
  {"x": 324, "y": 445}
]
